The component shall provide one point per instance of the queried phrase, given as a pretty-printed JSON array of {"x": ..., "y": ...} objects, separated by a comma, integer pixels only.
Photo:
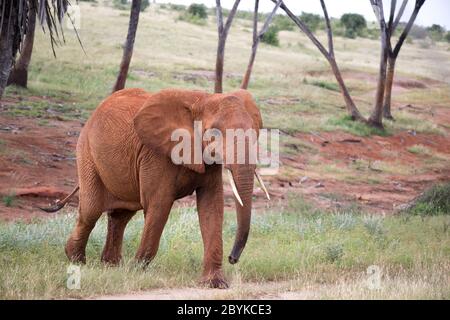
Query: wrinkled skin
[{"x": 124, "y": 165}]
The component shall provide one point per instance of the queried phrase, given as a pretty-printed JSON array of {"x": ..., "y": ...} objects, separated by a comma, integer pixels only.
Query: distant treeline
[{"x": 350, "y": 25}]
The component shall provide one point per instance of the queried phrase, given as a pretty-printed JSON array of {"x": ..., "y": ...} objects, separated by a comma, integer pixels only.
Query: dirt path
[{"x": 268, "y": 290}]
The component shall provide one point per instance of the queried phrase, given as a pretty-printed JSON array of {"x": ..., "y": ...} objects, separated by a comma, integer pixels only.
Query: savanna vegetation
[
  {"x": 321, "y": 245},
  {"x": 293, "y": 250}
]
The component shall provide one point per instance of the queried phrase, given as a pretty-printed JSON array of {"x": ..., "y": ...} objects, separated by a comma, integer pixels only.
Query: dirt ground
[{"x": 37, "y": 166}]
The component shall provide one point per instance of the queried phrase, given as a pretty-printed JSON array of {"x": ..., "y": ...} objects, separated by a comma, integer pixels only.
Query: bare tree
[
  {"x": 257, "y": 36},
  {"x": 393, "y": 51},
  {"x": 376, "y": 118},
  {"x": 128, "y": 47},
  {"x": 223, "y": 34},
  {"x": 328, "y": 54},
  {"x": 19, "y": 74}
]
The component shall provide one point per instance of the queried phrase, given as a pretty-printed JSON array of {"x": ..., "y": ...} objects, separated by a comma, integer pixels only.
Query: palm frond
[{"x": 14, "y": 21}]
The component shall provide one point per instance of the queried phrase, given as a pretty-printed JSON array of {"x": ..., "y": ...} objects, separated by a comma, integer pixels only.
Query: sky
[{"x": 433, "y": 11}]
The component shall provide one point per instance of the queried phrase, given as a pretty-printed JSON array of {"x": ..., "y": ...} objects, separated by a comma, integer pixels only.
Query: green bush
[
  {"x": 198, "y": 10},
  {"x": 8, "y": 200},
  {"x": 447, "y": 36},
  {"x": 282, "y": 22},
  {"x": 196, "y": 14},
  {"x": 121, "y": 4},
  {"x": 418, "y": 32},
  {"x": 355, "y": 24},
  {"x": 144, "y": 5},
  {"x": 434, "y": 201},
  {"x": 271, "y": 36},
  {"x": 313, "y": 21},
  {"x": 177, "y": 7},
  {"x": 436, "y": 32},
  {"x": 125, "y": 5}
]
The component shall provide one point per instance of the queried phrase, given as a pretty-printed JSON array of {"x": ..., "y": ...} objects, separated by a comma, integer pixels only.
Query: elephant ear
[
  {"x": 162, "y": 114},
  {"x": 250, "y": 107}
]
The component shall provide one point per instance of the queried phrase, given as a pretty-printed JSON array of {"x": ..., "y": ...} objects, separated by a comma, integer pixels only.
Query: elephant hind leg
[
  {"x": 91, "y": 207},
  {"x": 117, "y": 221},
  {"x": 76, "y": 245}
]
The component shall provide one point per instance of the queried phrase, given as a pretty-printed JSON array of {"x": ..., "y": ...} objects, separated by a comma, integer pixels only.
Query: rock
[
  {"x": 303, "y": 179},
  {"x": 320, "y": 185}
]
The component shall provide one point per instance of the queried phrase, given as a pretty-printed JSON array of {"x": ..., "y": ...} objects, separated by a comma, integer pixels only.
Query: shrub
[
  {"x": 434, "y": 201},
  {"x": 354, "y": 24},
  {"x": 271, "y": 37},
  {"x": 177, "y": 7},
  {"x": 447, "y": 36},
  {"x": 144, "y": 5},
  {"x": 436, "y": 32},
  {"x": 196, "y": 14},
  {"x": 126, "y": 5},
  {"x": 334, "y": 252},
  {"x": 8, "y": 200},
  {"x": 418, "y": 32},
  {"x": 121, "y": 4},
  {"x": 282, "y": 22},
  {"x": 312, "y": 20},
  {"x": 198, "y": 10}
]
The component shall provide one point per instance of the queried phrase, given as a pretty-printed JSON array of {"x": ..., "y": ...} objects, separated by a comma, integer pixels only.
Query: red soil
[{"x": 37, "y": 166}]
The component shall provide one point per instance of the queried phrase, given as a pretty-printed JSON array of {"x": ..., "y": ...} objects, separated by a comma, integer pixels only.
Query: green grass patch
[
  {"x": 357, "y": 128},
  {"x": 420, "y": 149},
  {"x": 45, "y": 110},
  {"x": 325, "y": 85},
  {"x": 298, "y": 243},
  {"x": 9, "y": 200}
]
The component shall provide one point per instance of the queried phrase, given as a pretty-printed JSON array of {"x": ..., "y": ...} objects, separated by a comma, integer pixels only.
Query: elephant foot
[
  {"x": 216, "y": 281},
  {"x": 74, "y": 253}
]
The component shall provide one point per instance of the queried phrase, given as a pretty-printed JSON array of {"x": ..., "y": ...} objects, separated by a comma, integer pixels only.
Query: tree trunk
[
  {"x": 128, "y": 49},
  {"x": 351, "y": 107},
  {"x": 248, "y": 73},
  {"x": 388, "y": 92},
  {"x": 376, "y": 118},
  {"x": 6, "y": 57},
  {"x": 218, "y": 87},
  {"x": 19, "y": 74}
]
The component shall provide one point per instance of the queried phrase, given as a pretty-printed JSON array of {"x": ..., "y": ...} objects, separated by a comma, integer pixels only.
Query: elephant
[{"x": 124, "y": 165}]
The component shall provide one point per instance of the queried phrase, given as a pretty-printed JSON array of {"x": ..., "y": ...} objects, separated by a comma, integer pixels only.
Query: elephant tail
[{"x": 60, "y": 203}]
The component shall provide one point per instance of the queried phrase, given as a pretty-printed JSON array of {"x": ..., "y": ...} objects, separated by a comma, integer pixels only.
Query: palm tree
[
  {"x": 128, "y": 47},
  {"x": 19, "y": 74},
  {"x": 14, "y": 26}
]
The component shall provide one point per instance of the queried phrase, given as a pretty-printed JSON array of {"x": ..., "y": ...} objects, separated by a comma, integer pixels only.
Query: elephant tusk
[
  {"x": 260, "y": 180},
  {"x": 233, "y": 187}
]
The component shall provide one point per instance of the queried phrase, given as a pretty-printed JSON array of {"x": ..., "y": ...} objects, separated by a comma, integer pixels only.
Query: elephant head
[{"x": 172, "y": 110}]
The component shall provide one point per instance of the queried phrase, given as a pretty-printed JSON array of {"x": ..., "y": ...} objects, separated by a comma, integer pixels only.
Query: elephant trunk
[{"x": 243, "y": 179}]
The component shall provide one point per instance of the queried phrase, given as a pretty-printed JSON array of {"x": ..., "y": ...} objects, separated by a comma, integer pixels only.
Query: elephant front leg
[{"x": 210, "y": 211}]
